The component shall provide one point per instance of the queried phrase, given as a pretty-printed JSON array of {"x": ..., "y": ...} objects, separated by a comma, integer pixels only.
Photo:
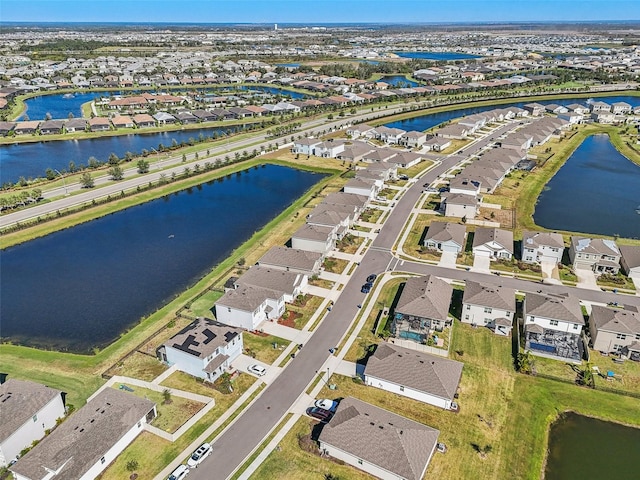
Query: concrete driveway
[
  {"x": 448, "y": 259},
  {"x": 586, "y": 279},
  {"x": 481, "y": 263}
]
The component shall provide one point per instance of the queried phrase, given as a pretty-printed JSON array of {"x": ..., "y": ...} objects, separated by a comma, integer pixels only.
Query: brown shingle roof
[
  {"x": 427, "y": 297},
  {"x": 492, "y": 296},
  {"x": 615, "y": 320},
  {"x": 555, "y": 307},
  {"x": 390, "y": 441}
]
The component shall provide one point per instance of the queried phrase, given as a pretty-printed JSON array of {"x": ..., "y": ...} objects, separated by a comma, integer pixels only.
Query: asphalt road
[{"x": 234, "y": 445}]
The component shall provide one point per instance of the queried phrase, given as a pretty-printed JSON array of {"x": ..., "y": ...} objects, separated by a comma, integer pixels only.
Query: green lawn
[
  {"x": 140, "y": 366},
  {"x": 306, "y": 311},
  {"x": 335, "y": 265},
  {"x": 171, "y": 415},
  {"x": 261, "y": 347},
  {"x": 498, "y": 407},
  {"x": 203, "y": 306}
]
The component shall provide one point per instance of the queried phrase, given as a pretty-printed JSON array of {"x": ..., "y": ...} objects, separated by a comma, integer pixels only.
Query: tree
[
  {"x": 116, "y": 173},
  {"x": 143, "y": 166},
  {"x": 93, "y": 162},
  {"x": 86, "y": 180},
  {"x": 50, "y": 174},
  {"x": 166, "y": 396},
  {"x": 113, "y": 159},
  {"x": 132, "y": 465},
  {"x": 524, "y": 363},
  {"x": 72, "y": 166}
]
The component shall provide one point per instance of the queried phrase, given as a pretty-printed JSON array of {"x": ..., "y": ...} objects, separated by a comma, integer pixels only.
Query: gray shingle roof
[
  {"x": 537, "y": 239},
  {"x": 278, "y": 280},
  {"x": 19, "y": 401},
  {"x": 555, "y": 307},
  {"x": 202, "y": 337},
  {"x": 390, "y": 441},
  {"x": 79, "y": 442},
  {"x": 291, "y": 257},
  {"x": 313, "y": 232},
  {"x": 492, "y": 296},
  {"x": 247, "y": 298},
  {"x": 444, "y": 231},
  {"x": 615, "y": 320},
  {"x": 420, "y": 371},
  {"x": 631, "y": 255},
  {"x": 598, "y": 246},
  {"x": 427, "y": 297},
  {"x": 504, "y": 238}
]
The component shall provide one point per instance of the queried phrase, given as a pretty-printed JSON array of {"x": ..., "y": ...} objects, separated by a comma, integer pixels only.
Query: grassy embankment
[
  {"x": 503, "y": 409},
  {"x": 79, "y": 375}
]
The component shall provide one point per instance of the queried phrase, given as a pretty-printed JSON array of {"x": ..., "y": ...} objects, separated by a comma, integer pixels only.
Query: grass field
[
  {"x": 261, "y": 347},
  {"x": 498, "y": 407}
]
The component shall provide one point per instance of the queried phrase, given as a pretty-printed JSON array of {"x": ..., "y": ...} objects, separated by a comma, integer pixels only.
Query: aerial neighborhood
[{"x": 459, "y": 274}]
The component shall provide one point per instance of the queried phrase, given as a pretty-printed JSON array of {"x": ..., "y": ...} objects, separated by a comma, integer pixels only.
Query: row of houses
[
  {"x": 81, "y": 446},
  {"x": 96, "y": 124}
]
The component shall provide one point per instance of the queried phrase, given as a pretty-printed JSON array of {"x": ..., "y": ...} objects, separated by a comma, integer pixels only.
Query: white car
[
  {"x": 179, "y": 473},
  {"x": 326, "y": 404},
  {"x": 257, "y": 370},
  {"x": 199, "y": 455}
]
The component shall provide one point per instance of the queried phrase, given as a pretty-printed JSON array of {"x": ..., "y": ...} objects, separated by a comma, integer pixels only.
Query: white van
[{"x": 179, "y": 473}]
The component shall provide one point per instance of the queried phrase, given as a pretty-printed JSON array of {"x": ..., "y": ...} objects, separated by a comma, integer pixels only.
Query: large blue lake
[
  {"x": 596, "y": 191},
  {"x": 80, "y": 288},
  {"x": 436, "y": 55},
  {"x": 60, "y": 106}
]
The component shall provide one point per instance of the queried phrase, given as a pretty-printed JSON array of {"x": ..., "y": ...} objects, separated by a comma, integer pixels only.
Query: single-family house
[
  {"x": 99, "y": 124},
  {"x": 454, "y": 132},
  {"x": 538, "y": 247},
  {"x": 613, "y": 329},
  {"x": 598, "y": 107},
  {"x": 603, "y": 117},
  {"x": 553, "y": 326},
  {"x": 534, "y": 109},
  {"x": 413, "y": 139},
  {"x": 362, "y": 186},
  {"x": 329, "y": 149},
  {"x": 423, "y": 307},
  {"x": 437, "y": 143},
  {"x": 144, "y": 120},
  {"x": 306, "y": 146},
  {"x": 28, "y": 410},
  {"x": 290, "y": 283},
  {"x": 445, "y": 237},
  {"x": 620, "y": 108},
  {"x": 86, "y": 443},
  {"x": 75, "y": 125},
  {"x": 459, "y": 205},
  {"x": 495, "y": 243},
  {"x": 630, "y": 260},
  {"x": 381, "y": 443},
  {"x": 462, "y": 185},
  {"x": 380, "y": 155},
  {"x": 247, "y": 306},
  {"x": 489, "y": 305},
  {"x": 203, "y": 349},
  {"x": 355, "y": 152},
  {"x": 314, "y": 238},
  {"x": 164, "y": 118},
  {"x": 186, "y": 118},
  {"x": 388, "y": 135},
  {"x": 427, "y": 378},
  {"x": 122, "y": 121},
  {"x": 579, "y": 109},
  {"x": 26, "y": 127},
  {"x": 597, "y": 254},
  {"x": 405, "y": 159},
  {"x": 361, "y": 130},
  {"x": 51, "y": 127},
  {"x": 6, "y": 127},
  {"x": 292, "y": 260}
]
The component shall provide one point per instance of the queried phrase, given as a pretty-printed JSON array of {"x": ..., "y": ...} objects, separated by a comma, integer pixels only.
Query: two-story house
[
  {"x": 614, "y": 330},
  {"x": 489, "y": 305},
  {"x": 597, "y": 254},
  {"x": 538, "y": 247},
  {"x": 423, "y": 307},
  {"x": 204, "y": 349},
  {"x": 27, "y": 411},
  {"x": 553, "y": 326}
]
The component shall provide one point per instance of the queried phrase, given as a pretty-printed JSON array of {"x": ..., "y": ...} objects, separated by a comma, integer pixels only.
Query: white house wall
[
  {"x": 407, "y": 392},
  {"x": 320, "y": 246},
  {"x": 31, "y": 430},
  {"x": 358, "y": 463},
  {"x": 475, "y": 314},
  {"x": 239, "y": 318},
  {"x": 114, "y": 451},
  {"x": 545, "y": 323}
]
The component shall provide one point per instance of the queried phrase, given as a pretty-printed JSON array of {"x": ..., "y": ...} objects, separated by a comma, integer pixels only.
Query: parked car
[
  {"x": 366, "y": 288},
  {"x": 371, "y": 278},
  {"x": 320, "y": 414},
  {"x": 179, "y": 473},
  {"x": 443, "y": 189},
  {"x": 403, "y": 177},
  {"x": 199, "y": 455},
  {"x": 326, "y": 404},
  {"x": 257, "y": 369}
]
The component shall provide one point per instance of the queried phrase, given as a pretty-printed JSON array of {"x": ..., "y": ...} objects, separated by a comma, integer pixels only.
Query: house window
[
  {"x": 468, "y": 307},
  {"x": 228, "y": 310},
  {"x": 617, "y": 347},
  {"x": 102, "y": 460},
  {"x": 487, "y": 309},
  {"x": 466, "y": 317},
  {"x": 359, "y": 462},
  {"x": 139, "y": 424},
  {"x": 553, "y": 323},
  {"x": 401, "y": 388},
  {"x": 35, "y": 418},
  {"x": 575, "y": 326},
  {"x": 621, "y": 336},
  {"x": 637, "y": 336}
]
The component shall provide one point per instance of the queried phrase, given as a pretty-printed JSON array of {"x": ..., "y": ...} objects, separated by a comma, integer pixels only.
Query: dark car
[
  {"x": 443, "y": 189},
  {"x": 320, "y": 414},
  {"x": 372, "y": 278},
  {"x": 366, "y": 288}
]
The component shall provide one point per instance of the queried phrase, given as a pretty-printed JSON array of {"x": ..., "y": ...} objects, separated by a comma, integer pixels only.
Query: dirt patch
[
  {"x": 289, "y": 319},
  {"x": 506, "y": 217}
]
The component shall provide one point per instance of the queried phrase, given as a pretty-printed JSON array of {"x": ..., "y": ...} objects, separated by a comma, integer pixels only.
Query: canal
[
  {"x": 80, "y": 288},
  {"x": 583, "y": 448}
]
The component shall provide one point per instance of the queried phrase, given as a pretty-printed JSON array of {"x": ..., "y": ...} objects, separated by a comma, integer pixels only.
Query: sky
[{"x": 317, "y": 11}]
